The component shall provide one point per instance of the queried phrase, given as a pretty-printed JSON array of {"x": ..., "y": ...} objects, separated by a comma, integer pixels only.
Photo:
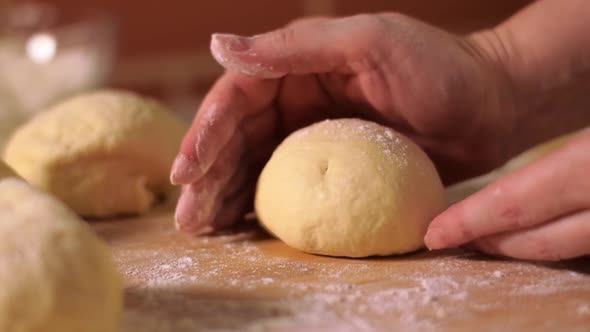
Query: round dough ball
[
  {"x": 104, "y": 153},
  {"x": 56, "y": 274},
  {"x": 349, "y": 188}
]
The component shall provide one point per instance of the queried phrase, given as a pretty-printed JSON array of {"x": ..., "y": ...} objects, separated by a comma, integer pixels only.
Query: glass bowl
[{"x": 44, "y": 57}]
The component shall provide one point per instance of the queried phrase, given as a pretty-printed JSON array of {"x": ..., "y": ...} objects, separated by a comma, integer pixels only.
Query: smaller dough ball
[
  {"x": 537, "y": 152},
  {"x": 349, "y": 188},
  {"x": 460, "y": 191},
  {"x": 56, "y": 275},
  {"x": 104, "y": 153}
]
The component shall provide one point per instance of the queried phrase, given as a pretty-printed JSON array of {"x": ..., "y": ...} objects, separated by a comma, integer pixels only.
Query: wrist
[
  {"x": 549, "y": 84},
  {"x": 547, "y": 97},
  {"x": 505, "y": 90}
]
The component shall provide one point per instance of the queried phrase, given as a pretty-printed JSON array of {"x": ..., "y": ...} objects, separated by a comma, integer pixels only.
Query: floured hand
[{"x": 386, "y": 68}]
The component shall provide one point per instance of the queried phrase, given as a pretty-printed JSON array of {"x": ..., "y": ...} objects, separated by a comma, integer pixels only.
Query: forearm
[{"x": 545, "y": 50}]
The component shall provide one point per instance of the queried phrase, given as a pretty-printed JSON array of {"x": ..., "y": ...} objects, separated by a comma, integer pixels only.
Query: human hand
[
  {"x": 539, "y": 212},
  {"x": 443, "y": 91}
]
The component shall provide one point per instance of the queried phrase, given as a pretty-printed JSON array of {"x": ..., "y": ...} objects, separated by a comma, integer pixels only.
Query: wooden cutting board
[{"x": 245, "y": 281}]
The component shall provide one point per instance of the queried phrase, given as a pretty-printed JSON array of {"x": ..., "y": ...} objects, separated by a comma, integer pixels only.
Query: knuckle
[
  {"x": 285, "y": 36},
  {"x": 373, "y": 25},
  {"x": 370, "y": 37},
  {"x": 383, "y": 24},
  {"x": 307, "y": 20},
  {"x": 512, "y": 216},
  {"x": 463, "y": 229}
]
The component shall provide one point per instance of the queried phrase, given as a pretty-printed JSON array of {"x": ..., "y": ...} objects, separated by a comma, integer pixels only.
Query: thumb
[{"x": 307, "y": 46}]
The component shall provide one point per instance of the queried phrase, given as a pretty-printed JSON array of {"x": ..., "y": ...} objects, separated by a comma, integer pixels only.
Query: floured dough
[
  {"x": 103, "y": 153},
  {"x": 349, "y": 188},
  {"x": 464, "y": 189},
  {"x": 537, "y": 152},
  {"x": 56, "y": 275}
]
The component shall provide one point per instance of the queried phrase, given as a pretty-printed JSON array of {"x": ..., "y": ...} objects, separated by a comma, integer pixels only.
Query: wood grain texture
[{"x": 245, "y": 281}]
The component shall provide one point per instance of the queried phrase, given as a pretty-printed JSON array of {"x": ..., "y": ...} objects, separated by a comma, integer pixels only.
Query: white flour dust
[{"x": 229, "y": 283}]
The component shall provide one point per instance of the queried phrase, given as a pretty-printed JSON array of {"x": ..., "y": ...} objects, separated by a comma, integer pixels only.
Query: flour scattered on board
[
  {"x": 182, "y": 290},
  {"x": 498, "y": 274}
]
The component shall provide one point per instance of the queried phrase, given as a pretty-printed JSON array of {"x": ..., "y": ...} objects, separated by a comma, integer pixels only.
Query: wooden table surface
[{"x": 245, "y": 281}]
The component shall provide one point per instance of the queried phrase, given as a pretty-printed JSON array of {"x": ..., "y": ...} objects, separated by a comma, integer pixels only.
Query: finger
[
  {"x": 541, "y": 191},
  {"x": 234, "y": 200},
  {"x": 237, "y": 184},
  {"x": 195, "y": 209},
  {"x": 560, "y": 239},
  {"x": 303, "y": 101},
  {"x": 197, "y": 152},
  {"x": 232, "y": 99},
  {"x": 218, "y": 215},
  {"x": 313, "y": 46},
  {"x": 198, "y": 202},
  {"x": 260, "y": 127},
  {"x": 235, "y": 208}
]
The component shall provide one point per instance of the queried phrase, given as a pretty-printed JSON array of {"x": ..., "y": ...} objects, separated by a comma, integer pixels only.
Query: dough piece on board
[
  {"x": 349, "y": 188},
  {"x": 56, "y": 275},
  {"x": 104, "y": 153},
  {"x": 464, "y": 189}
]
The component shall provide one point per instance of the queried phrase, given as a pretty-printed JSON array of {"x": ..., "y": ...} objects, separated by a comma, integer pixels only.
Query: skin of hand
[
  {"x": 445, "y": 92},
  {"x": 471, "y": 103},
  {"x": 542, "y": 211}
]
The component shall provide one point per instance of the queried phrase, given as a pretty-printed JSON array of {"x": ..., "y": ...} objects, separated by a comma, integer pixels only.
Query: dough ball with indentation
[
  {"x": 103, "y": 153},
  {"x": 56, "y": 274},
  {"x": 349, "y": 188}
]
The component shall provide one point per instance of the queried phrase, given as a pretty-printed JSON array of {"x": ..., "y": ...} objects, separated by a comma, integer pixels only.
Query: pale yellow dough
[
  {"x": 464, "y": 189},
  {"x": 104, "y": 153},
  {"x": 349, "y": 188},
  {"x": 537, "y": 152},
  {"x": 56, "y": 275}
]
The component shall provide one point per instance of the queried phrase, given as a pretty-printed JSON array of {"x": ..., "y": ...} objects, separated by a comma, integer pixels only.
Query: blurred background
[{"x": 52, "y": 48}]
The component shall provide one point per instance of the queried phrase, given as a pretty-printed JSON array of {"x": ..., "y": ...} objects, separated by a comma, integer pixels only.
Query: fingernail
[
  {"x": 236, "y": 53},
  {"x": 232, "y": 43},
  {"x": 184, "y": 171},
  {"x": 434, "y": 239}
]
